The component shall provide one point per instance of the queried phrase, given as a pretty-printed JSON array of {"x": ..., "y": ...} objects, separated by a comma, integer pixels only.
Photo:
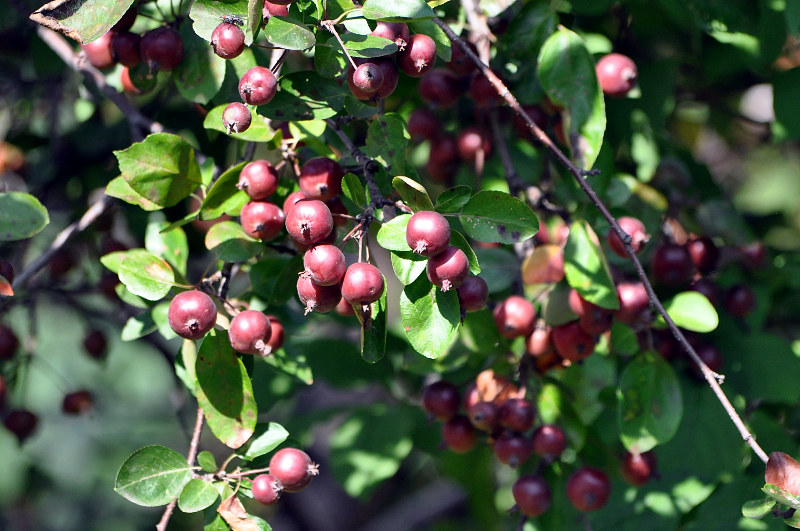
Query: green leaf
[
  {"x": 429, "y": 28},
  {"x": 353, "y": 190},
  {"x": 21, "y": 216},
  {"x": 396, "y": 10},
  {"x": 146, "y": 275},
  {"x": 289, "y": 107},
  {"x": 566, "y": 72},
  {"x": 200, "y": 74},
  {"x": 229, "y": 241},
  {"x": 458, "y": 240},
  {"x": 208, "y": 14},
  {"x": 224, "y": 391},
  {"x": 586, "y": 382},
  {"x": 259, "y": 130},
  {"x": 500, "y": 268},
  {"x": 119, "y": 188},
  {"x": 758, "y": 508},
  {"x": 453, "y": 199},
  {"x": 386, "y": 142},
  {"x": 207, "y": 461},
  {"x": 160, "y": 315},
  {"x": 329, "y": 60},
  {"x": 171, "y": 244},
  {"x": 492, "y": 216},
  {"x": 413, "y": 194},
  {"x": 392, "y": 235},
  {"x": 266, "y": 275},
  {"x": 196, "y": 495},
  {"x": 528, "y": 30},
  {"x": 586, "y": 268},
  {"x": 152, "y": 476},
  {"x": 291, "y": 361},
  {"x": 366, "y": 46},
  {"x": 692, "y": 311},
  {"x": 224, "y": 197},
  {"x": 266, "y": 438},
  {"x": 650, "y": 406},
  {"x": 373, "y": 330},
  {"x": 162, "y": 168},
  {"x": 285, "y": 33},
  {"x": 782, "y": 496},
  {"x": 138, "y": 326},
  {"x": 408, "y": 265},
  {"x": 430, "y": 317},
  {"x": 81, "y": 20}
]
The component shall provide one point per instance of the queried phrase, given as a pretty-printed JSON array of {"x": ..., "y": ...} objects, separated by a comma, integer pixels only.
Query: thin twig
[
  {"x": 328, "y": 25},
  {"x": 193, "y": 446}
]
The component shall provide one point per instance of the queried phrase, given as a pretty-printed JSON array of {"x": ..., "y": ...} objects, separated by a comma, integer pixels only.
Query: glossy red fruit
[
  {"x": 309, "y": 221},
  {"x": 783, "y": 471},
  {"x": 8, "y": 343},
  {"x": 572, "y": 342},
  {"x": 440, "y": 87},
  {"x": 77, "y": 403},
  {"x": 638, "y": 469},
  {"x": 473, "y": 294},
  {"x": 162, "y": 49},
  {"x": 740, "y": 301},
  {"x": 362, "y": 283},
  {"x": 472, "y": 141},
  {"x": 711, "y": 356},
  {"x": 291, "y": 199},
  {"x": 192, "y": 314},
  {"x": 540, "y": 341},
  {"x": 21, "y": 423},
  {"x": 227, "y": 40},
  {"x": 423, "y": 124},
  {"x": 125, "y": 47},
  {"x": 98, "y": 52},
  {"x": 316, "y": 298},
  {"x": 418, "y": 56},
  {"x": 236, "y": 118},
  {"x": 441, "y": 400},
  {"x": 277, "y": 336},
  {"x": 515, "y": 317},
  {"x": 345, "y": 309},
  {"x": 592, "y": 318},
  {"x": 459, "y": 434},
  {"x": 516, "y": 414},
  {"x": 325, "y": 264},
  {"x": 513, "y": 449},
  {"x": 672, "y": 265},
  {"x": 126, "y": 22},
  {"x": 274, "y": 9},
  {"x": 616, "y": 74},
  {"x": 588, "y": 489},
  {"x": 532, "y": 495},
  {"x": 483, "y": 416},
  {"x": 249, "y": 332},
  {"x": 482, "y": 91},
  {"x": 266, "y": 489},
  {"x": 634, "y": 303},
  {"x": 293, "y": 468},
  {"x": 635, "y": 229},
  {"x": 262, "y": 219},
  {"x": 258, "y": 86},
  {"x": 61, "y": 263},
  {"x": 258, "y": 179},
  {"x": 460, "y": 63},
  {"x": 321, "y": 178},
  {"x": 95, "y": 344},
  {"x": 396, "y": 32},
  {"x": 754, "y": 255},
  {"x": 391, "y": 76},
  {"x": 704, "y": 253},
  {"x": 448, "y": 269},
  {"x": 549, "y": 441},
  {"x": 367, "y": 78},
  {"x": 428, "y": 233}
]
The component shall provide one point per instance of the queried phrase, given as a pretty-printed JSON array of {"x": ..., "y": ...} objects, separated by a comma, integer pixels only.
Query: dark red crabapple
[
  {"x": 61, "y": 263},
  {"x": 258, "y": 86},
  {"x": 274, "y": 9},
  {"x": 418, "y": 56},
  {"x": 21, "y": 422},
  {"x": 572, "y": 342},
  {"x": 711, "y": 356},
  {"x": 754, "y": 255},
  {"x": 367, "y": 79},
  {"x": 77, "y": 403},
  {"x": 540, "y": 341},
  {"x": 638, "y": 469},
  {"x": 391, "y": 76},
  {"x": 316, "y": 298},
  {"x": 441, "y": 400},
  {"x": 483, "y": 416},
  {"x": 258, "y": 179},
  {"x": 740, "y": 300},
  {"x": 345, "y": 309},
  {"x": 125, "y": 47},
  {"x": 444, "y": 150},
  {"x": 473, "y": 294},
  {"x": 635, "y": 229},
  {"x": 709, "y": 289},
  {"x": 192, "y": 314},
  {"x": 126, "y": 22},
  {"x": 516, "y": 414},
  {"x": 338, "y": 211},
  {"x": 394, "y": 31},
  {"x": 309, "y": 221},
  {"x": 277, "y": 336},
  {"x": 482, "y": 91},
  {"x": 262, "y": 219},
  {"x": 7, "y": 270},
  {"x": 162, "y": 49},
  {"x": 227, "y": 40},
  {"x": 98, "y": 52},
  {"x": 514, "y": 317},
  {"x": 362, "y": 283},
  {"x": 249, "y": 332},
  {"x": 321, "y": 178},
  {"x": 513, "y": 449},
  {"x": 423, "y": 124},
  {"x": 471, "y": 141},
  {"x": 532, "y": 495},
  {"x": 8, "y": 343},
  {"x": 325, "y": 264},
  {"x": 428, "y": 233},
  {"x": 293, "y": 468},
  {"x": 704, "y": 253},
  {"x": 592, "y": 318},
  {"x": 588, "y": 489},
  {"x": 236, "y": 118},
  {"x": 633, "y": 302},
  {"x": 549, "y": 441},
  {"x": 95, "y": 344},
  {"x": 616, "y": 74},
  {"x": 448, "y": 269},
  {"x": 459, "y": 434},
  {"x": 291, "y": 199},
  {"x": 460, "y": 63},
  {"x": 266, "y": 489},
  {"x": 440, "y": 87},
  {"x": 672, "y": 265}
]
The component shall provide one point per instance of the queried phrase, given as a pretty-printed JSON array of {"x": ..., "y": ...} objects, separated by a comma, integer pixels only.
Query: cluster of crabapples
[{"x": 290, "y": 470}]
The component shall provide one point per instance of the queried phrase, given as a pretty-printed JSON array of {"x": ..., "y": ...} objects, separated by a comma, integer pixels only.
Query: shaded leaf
[
  {"x": 586, "y": 268},
  {"x": 453, "y": 199},
  {"x": 201, "y": 72},
  {"x": 285, "y": 33},
  {"x": 291, "y": 361},
  {"x": 21, "y": 216},
  {"x": 138, "y": 326},
  {"x": 353, "y": 190},
  {"x": 224, "y": 197},
  {"x": 492, "y": 216},
  {"x": 171, "y": 244},
  {"x": 396, "y": 10},
  {"x": 266, "y": 438},
  {"x": 373, "y": 329},
  {"x": 365, "y": 46},
  {"x": 413, "y": 194},
  {"x": 229, "y": 241},
  {"x": 387, "y": 138},
  {"x": 81, "y": 20},
  {"x": 408, "y": 265},
  {"x": 152, "y": 476},
  {"x": 458, "y": 240},
  {"x": 119, "y": 188}
]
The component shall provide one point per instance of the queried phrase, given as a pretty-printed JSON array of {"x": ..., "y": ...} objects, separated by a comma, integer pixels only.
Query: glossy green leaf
[
  {"x": 430, "y": 317},
  {"x": 224, "y": 391},
  {"x": 396, "y": 10},
  {"x": 650, "y": 405},
  {"x": 353, "y": 190},
  {"x": 255, "y": 12},
  {"x": 413, "y": 194},
  {"x": 392, "y": 235},
  {"x": 429, "y": 28},
  {"x": 366, "y": 46},
  {"x": 458, "y": 240},
  {"x": 373, "y": 329},
  {"x": 21, "y": 216},
  {"x": 162, "y": 168},
  {"x": 200, "y": 74},
  {"x": 408, "y": 265},
  {"x": 259, "y": 130},
  {"x": 146, "y": 275},
  {"x": 692, "y": 311},
  {"x": 224, "y": 197},
  {"x": 119, "y": 188},
  {"x": 758, "y": 508},
  {"x": 387, "y": 138},
  {"x": 207, "y": 461},
  {"x": 267, "y": 437},
  {"x": 171, "y": 245},
  {"x": 208, "y": 14},
  {"x": 81, "y": 20},
  {"x": 783, "y": 497},
  {"x": 229, "y": 241},
  {"x": 492, "y": 216},
  {"x": 138, "y": 326},
  {"x": 586, "y": 268},
  {"x": 453, "y": 199},
  {"x": 285, "y": 33},
  {"x": 196, "y": 495},
  {"x": 566, "y": 72},
  {"x": 152, "y": 476}
]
